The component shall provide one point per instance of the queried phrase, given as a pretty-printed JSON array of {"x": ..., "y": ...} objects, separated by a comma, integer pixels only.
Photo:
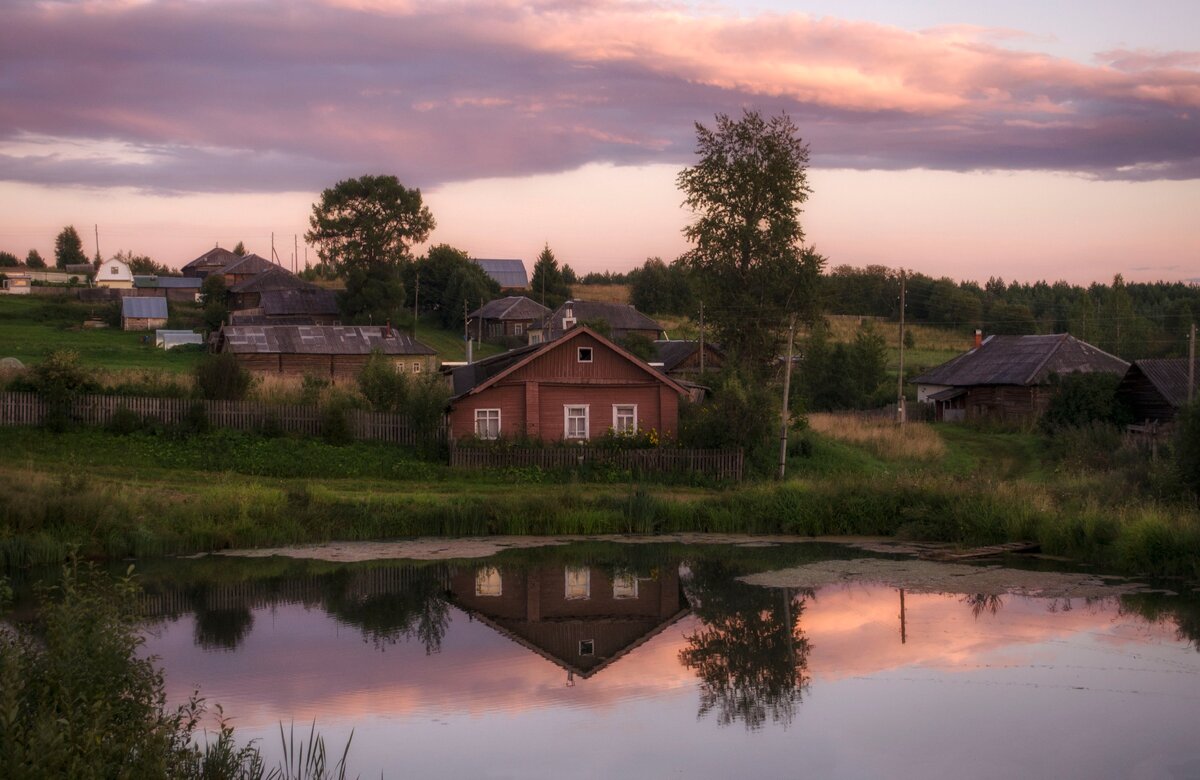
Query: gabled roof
[
  {"x": 672, "y": 353},
  {"x": 273, "y": 278},
  {"x": 318, "y": 340},
  {"x": 144, "y": 308},
  {"x": 1169, "y": 377},
  {"x": 214, "y": 257},
  {"x": 250, "y": 264},
  {"x": 619, "y": 316},
  {"x": 507, "y": 273},
  {"x": 514, "y": 307},
  {"x": 1023, "y": 361},
  {"x": 317, "y": 302},
  {"x": 476, "y": 377}
]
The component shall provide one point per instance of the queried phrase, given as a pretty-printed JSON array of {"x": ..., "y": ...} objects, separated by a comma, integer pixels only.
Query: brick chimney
[{"x": 978, "y": 338}]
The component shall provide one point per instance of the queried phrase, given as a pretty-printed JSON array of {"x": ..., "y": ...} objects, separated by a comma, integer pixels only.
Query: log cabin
[{"x": 334, "y": 351}]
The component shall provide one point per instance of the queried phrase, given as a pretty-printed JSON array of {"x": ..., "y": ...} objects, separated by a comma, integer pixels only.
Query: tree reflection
[
  {"x": 749, "y": 654},
  {"x": 983, "y": 602},
  {"x": 418, "y": 611},
  {"x": 222, "y": 629}
]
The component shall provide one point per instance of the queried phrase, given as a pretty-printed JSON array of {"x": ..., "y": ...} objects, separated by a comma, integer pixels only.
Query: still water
[{"x": 660, "y": 661}]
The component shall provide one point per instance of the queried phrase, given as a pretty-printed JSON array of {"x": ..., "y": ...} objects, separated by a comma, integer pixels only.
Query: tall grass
[{"x": 884, "y": 438}]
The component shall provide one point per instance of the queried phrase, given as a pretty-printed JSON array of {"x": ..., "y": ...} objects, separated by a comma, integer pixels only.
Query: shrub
[
  {"x": 220, "y": 377},
  {"x": 194, "y": 420},
  {"x": 124, "y": 422},
  {"x": 741, "y": 413},
  {"x": 335, "y": 420},
  {"x": 1083, "y": 399},
  {"x": 59, "y": 380},
  {"x": 1187, "y": 446},
  {"x": 385, "y": 389}
]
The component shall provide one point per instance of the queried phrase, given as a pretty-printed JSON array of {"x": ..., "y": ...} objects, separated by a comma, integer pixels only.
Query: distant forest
[{"x": 1128, "y": 319}]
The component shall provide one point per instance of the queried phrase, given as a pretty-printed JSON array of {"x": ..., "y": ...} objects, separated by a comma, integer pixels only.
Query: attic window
[
  {"x": 568, "y": 323},
  {"x": 115, "y": 270},
  {"x": 585, "y": 355},
  {"x": 587, "y": 647}
]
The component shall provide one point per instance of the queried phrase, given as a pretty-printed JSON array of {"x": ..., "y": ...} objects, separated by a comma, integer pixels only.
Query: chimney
[
  {"x": 978, "y": 338},
  {"x": 387, "y": 329}
]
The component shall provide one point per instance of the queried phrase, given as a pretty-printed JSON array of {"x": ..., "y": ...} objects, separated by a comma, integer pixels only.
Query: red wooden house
[{"x": 574, "y": 388}]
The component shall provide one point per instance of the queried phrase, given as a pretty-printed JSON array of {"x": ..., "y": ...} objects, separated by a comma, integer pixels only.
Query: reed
[{"x": 882, "y": 437}]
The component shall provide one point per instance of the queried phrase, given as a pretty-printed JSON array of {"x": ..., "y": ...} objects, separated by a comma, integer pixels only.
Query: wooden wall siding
[
  {"x": 724, "y": 465},
  {"x": 535, "y": 409},
  {"x": 28, "y": 409},
  {"x": 1144, "y": 400},
  {"x": 562, "y": 364},
  {"x": 143, "y": 323},
  {"x": 1007, "y": 402},
  {"x": 336, "y": 366},
  {"x": 509, "y": 399}
]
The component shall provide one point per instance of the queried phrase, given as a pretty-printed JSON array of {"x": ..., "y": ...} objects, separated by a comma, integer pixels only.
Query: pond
[{"x": 656, "y": 660}]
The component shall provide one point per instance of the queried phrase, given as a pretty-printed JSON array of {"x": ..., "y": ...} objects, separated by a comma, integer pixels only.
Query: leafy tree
[
  {"x": 568, "y": 274},
  {"x": 639, "y": 345},
  {"x": 746, "y": 192},
  {"x": 1187, "y": 446},
  {"x": 240, "y": 249},
  {"x": 8, "y": 260},
  {"x": 660, "y": 288},
  {"x": 215, "y": 296},
  {"x": 68, "y": 248},
  {"x": 450, "y": 279},
  {"x": 1083, "y": 399},
  {"x": 142, "y": 264},
  {"x": 547, "y": 283},
  {"x": 34, "y": 259},
  {"x": 363, "y": 228},
  {"x": 59, "y": 380},
  {"x": 220, "y": 377}
]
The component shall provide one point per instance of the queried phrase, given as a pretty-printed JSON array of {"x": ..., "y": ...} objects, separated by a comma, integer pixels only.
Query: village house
[
  {"x": 248, "y": 267},
  {"x": 509, "y": 274},
  {"x": 211, "y": 262},
  {"x": 575, "y": 388},
  {"x": 290, "y": 307},
  {"x": 1155, "y": 390},
  {"x": 246, "y": 294},
  {"x": 506, "y": 318},
  {"x": 681, "y": 359},
  {"x": 138, "y": 313},
  {"x": 621, "y": 319},
  {"x": 114, "y": 274},
  {"x": 581, "y": 618},
  {"x": 1009, "y": 377},
  {"x": 333, "y": 351},
  {"x": 184, "y": 289}
]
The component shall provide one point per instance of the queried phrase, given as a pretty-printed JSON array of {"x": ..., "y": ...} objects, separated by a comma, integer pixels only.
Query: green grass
[{"x": 449, "y": 344}]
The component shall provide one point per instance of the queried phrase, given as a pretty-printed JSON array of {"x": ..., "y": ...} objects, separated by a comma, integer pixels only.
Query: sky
[{"x": 1022, "y": 139}]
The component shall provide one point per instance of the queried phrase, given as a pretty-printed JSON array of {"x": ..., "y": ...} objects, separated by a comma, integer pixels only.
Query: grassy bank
[{"x": 118, "y": 497}]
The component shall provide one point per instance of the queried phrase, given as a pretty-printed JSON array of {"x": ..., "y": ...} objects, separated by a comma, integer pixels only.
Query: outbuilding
[
  {"x": 337, "y": 351},
  {"x": 139, "y": 313},
  {"x": 114, "y": 274}
]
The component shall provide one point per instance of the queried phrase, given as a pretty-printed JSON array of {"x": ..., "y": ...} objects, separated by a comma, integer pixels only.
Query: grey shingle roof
[
  {"x": 507, "y": 273},
  {"x": 1169, "y": 377},
  {"x": 513, "y": 307},
  {"x": 672, "y": 353},
  {"x": 319, "y": 340},
  {"x": 619, "y": 316},
  {"x": 216, "y": 256},
  {"x": 250, "y": 264},
  {"x": 1022, "y": 360},
  {"x": 273, "y": 278},
  {"x": 275, "y": 303},
  {"x": 144, "y": 308}
]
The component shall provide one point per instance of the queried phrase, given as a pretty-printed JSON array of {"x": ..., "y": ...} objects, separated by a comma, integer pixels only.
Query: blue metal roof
[
  {"x": 144, "y": 308},
  {"x": 507, "y": 273}
]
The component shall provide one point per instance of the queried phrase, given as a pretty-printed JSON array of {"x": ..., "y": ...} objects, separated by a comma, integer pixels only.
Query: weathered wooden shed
[
  {"x": 508, "y": 317},
  {"x": 681, "y": 359},
  {"x": 335, "y": 351},
  {"x": 248, "y": 267},
  {"x": 139, "y": 313},
  {"x": 1155, "y": 390},
  {"x": 510, "y": 274},
  {"x": 573, "y": 388},
  {"x": 247, "y": 293},
  {"x": 621, "y": 319},
  {"x": 1009, "y": 377}
]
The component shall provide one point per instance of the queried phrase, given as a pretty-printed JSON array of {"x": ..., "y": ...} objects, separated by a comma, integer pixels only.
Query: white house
[{"x": 114, "y": 273}]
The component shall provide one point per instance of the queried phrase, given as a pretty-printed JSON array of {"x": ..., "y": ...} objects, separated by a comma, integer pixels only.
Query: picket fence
[
  {"x": 29, "y": 409},
  {"x": 724, "y": 465}
]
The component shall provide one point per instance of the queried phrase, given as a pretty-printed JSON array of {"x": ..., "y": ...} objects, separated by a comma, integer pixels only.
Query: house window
[
  {"x": 115, "y": 271},
  {"x": 487, "y": 423},
  {"x": 416, "y": 367},
  {"x": 625, "y": 586},
  {"x": 488, "y": 582},
  {"x": 518, "y": 328},
  {"x": 578, "y": 582},
  {"x": 585, "y": 354},
  {"x": 625, "y": 418},
  {"x": 587, "y": 647},
  {"x": 400, "y": 366},
  {"x": 576, "y": 426},
  {"x": 535, "y": 337}
]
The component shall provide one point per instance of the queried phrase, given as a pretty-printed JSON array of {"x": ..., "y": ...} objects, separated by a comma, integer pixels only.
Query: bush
[
  {"x": 124, "y": 422},
  {"x": 385, "y": 389},
  {"x": 335, "y": 420},
  {"x": 59, "y": 380},
  {"x": 1187, "y": 446},
  {"x": 741, "y": 413},
  {"x": 195, "y": 420},
  {"x": 1084, "y": 399},
  {"x": 220, "y": 377}
]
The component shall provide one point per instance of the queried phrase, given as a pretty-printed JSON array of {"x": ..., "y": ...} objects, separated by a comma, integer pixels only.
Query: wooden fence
[
  {"x": 29, "y": 409},
  {"x": 724, "y": 465}
]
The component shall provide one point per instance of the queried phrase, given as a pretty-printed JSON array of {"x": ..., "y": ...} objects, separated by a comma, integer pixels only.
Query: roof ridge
[{"x": 1042, "y": 364}]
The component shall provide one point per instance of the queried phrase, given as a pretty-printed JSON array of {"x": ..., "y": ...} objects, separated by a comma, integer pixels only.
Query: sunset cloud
[{"x": 271, "y": 96}]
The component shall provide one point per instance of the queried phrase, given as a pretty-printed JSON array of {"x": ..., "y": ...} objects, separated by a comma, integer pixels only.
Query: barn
[
  {"x": 335, "y": 351},
  {"x": 621, "y": 319},
  {"x": 575, "y": 388},
  {"x": 1155, "y": 390},
  {"x": 139, "y": 313}
]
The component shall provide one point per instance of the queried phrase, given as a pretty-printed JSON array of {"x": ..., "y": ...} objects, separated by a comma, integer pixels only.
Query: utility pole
[
  {"x": 466, "y": 332},
  {"x": 783, "y": 412},
  {"x": 295, "y": 252},
  {"x": 274, "y": 254},
  {"x": 97, "y": 229},
  {"x": 479, "y": 324},
  {"x": 1192, "y": 364},
  {"x": 416, "y": 301},
  {"x": 701, "y": 339},
  {"x": 900, "y": 410}
]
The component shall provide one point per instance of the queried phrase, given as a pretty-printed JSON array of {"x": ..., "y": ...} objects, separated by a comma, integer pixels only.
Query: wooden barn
[
  {"x": 334, "y": 351},
  {"x": 509, "y": 274},
  {"x": 248, "y": 267},
  {"x": 291, "y": 307},
  {"x": 246, "y": 293},
  {"x": 621, "y": 319},
  {"x": 211, "y": 262},
  {"x": 1009, "y": 377},
  {"x": 508, "y": 317},
  {"x": 575, "y": 388},
  {"x": 138, "y": 313},
  {"x": 681, "y": 359},
  {"x": 1155, "y": 390},
  {"x": 173, "y": 288},
  {"x": 580, "y": 618}
]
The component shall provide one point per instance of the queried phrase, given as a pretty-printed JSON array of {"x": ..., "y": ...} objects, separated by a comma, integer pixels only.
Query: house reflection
[{"x": 581, "y": 618}]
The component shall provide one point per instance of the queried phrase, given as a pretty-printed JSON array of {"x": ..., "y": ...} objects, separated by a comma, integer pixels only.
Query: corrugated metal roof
[
  {"x": 274, "y": 278},
  {"x": 1169, "y": 377},
  {"x": 319, "y": 340},
  {"x": 144, "y": 308},
  {"x": 1022, "y": 360},
  {"x": 507, "y": 273},
  {"x": 513, "y": 307}
]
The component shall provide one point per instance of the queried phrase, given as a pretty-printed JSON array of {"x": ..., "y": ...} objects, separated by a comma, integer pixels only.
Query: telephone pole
[
  {"x": 416, "y": 301},
  {"x": 1192, "y": 363},
  {"x": 783, "y": 412},
  {"x": 97, "y": 229},
  {"x": 702, "y": 340},
  {"x": 900, "y": 410},
  {"x": 466, "y": 332}
]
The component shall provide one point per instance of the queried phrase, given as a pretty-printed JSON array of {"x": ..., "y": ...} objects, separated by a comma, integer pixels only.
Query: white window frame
[
  {"x": 625, "y": 586},
  {"x": 587, "y": 421},
  {"x": 486, "y": 417},
  {"x": 488, "y": 582},
  {"x": 519, "y": 329},
  {"x": 582, "y": 585},
  {"x": 416, "y": 367},
  {"x": 579, "y": 358},
  {"x": 399, "y": 366},
  {"x": 616, "y": 417}
]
